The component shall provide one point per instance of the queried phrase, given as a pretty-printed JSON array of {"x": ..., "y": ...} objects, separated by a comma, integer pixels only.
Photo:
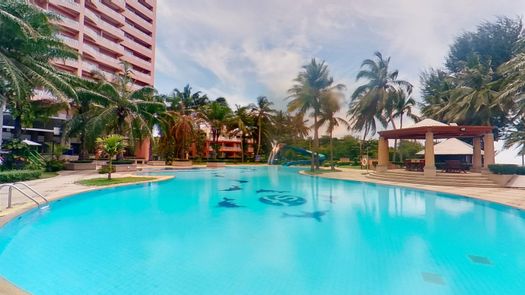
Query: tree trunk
[
  {"x": 396, "y": 150},
  {"x": 242, "y": 148},
  {"x": 394, "y": 158},
  {"x": 259, "y": 140},
  {"x": 2, "y": 108},
  {"x": 110, "y": 166},
  {"x": 83, "y": 153},
  {"x": 332, "y": 166},
  {"x": 17, "y": 131},
  {"x": 316, "y": 144}
]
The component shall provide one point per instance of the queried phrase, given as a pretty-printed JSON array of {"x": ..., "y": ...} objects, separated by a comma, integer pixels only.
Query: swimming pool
[{"x": 265, "y": 230}]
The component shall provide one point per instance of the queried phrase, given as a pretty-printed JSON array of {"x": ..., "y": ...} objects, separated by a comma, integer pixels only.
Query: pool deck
[
  {"x": 507, "y": 196},
  {"x": 66, "y": 185}
]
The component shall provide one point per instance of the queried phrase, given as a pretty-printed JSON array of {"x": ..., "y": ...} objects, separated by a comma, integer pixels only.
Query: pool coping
[{"x": 482, "y": 194}]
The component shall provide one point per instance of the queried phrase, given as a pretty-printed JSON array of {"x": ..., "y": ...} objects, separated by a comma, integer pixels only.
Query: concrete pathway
[{"x": 507, "y": 196}]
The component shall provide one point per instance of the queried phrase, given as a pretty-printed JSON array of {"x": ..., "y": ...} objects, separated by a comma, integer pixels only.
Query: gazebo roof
[
  {"x": 452, "y": 146},
  {"x": 439, "y": 129}
]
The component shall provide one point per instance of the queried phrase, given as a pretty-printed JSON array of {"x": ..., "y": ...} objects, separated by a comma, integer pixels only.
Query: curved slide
[{"x": 279, "y": 147}]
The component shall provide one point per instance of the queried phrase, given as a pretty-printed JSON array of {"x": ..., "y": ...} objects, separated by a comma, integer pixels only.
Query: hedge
[
  {"x": 81, "y": 161},
  {"x": 19, "y": 175},
  {"x": 507, "y": 169},
  {"x": 121, "y": 162}
]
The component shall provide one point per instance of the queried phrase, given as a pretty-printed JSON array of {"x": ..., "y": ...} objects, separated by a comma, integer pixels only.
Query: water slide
[{"x": 278, "y": 148}]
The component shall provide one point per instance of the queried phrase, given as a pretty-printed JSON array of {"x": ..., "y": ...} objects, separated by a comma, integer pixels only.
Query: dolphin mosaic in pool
[
  {"x": 228, "y": 203},
  {"x": 315, "y": 215},
  {"x": 270, "y": 191},
  {"x": 232, "y": 188},
  {"x": 282, "y": 200}
]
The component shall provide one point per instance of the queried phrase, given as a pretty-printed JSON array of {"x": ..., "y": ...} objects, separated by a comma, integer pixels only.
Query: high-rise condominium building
[{"x": 106, "y": 33}]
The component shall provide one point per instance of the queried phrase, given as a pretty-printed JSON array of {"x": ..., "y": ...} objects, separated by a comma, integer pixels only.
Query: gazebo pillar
[
  {"x": 476, "y": 156},
  {"x": 382, "y": 155},
  {"x": 430, "y": 161},
  {"x": 490, "y": 154}
]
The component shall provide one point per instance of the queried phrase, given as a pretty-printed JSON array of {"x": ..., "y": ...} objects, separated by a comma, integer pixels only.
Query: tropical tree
[
  {"x": 516, "y": 138},
  {"x": 241, "y": 124},
  {"x": 436, "y": 93},
  {"x": 111, "y": 145},
  {"x": 129, "y": 112},
  {"x": 399, "y": 105},
  {"x": 217, "y": 114},
  {"x": 370, "y": 99},
  {"x": 262, "y": 113},
  {"x": 306, "y": 94},
  {"x": 27, "y": 45},
  {"x": 186, "y": 99},
  {"x": 331, "y": 104}
]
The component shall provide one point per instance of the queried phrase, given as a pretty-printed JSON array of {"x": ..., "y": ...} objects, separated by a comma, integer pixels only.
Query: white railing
[{"x": 69, "y": 41}]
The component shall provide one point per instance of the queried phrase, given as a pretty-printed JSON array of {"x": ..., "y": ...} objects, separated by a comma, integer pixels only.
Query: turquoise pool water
[{"x": 265, "y": 230}]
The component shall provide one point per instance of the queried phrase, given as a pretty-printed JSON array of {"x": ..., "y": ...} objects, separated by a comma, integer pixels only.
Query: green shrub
[
  {"x": 123, "y": 162},
  {"x": 105, "y": 169},
  {"x": 507, "y": 169},
  {"x": 54, "y": 165},
  {"x": 19, "y": 175}
]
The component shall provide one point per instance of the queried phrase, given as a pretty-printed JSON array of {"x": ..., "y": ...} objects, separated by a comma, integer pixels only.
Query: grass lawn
[{"x": 105, "y": 181}]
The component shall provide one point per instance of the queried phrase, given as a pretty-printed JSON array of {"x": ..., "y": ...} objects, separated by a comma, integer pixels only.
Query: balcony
[
  {"x": 69, "y": 23},
  {"x": 68, "y": 4},
  {"x": 144, "y": 10},
  {"x": 130, "y": 58},
  {"x": 110, "y": 45},
  {"x": 138, "y": 34},
  {"x": 104, "y": 9},
  {"x": 70, "y": 63},
  {"x": 73, "y": 43},
  {"x": 142, "y": 77},
  {"x": 89, "y": 67},
  {"x": 138, "y": 20},
  {"x": 137, "y": 47},
  {"x": 109, "y": 61}
]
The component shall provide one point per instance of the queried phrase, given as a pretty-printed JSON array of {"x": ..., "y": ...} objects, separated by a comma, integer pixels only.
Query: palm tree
[
  {"x": 436, "y": 93},
  {"x": 331, "y": 104},
  {"x": 400, "y": 103},
  {"x": 262, "y": 112},
  {"x": 241, "y": 125},
  {"x": 512, "y": 94},
  {"x": 187, "y": 99},
  {"x": 516, "y": 137},
  {"x": 474, "y": 99},
  {"x": 217, "y": 114},
  {"x": 306, "y": 95},
  {"x": 111, "y": 145},
  {"x": 27, "y": 45},
  {"x": 129, "y": 112},
  {"x": 370, "y": 100}
]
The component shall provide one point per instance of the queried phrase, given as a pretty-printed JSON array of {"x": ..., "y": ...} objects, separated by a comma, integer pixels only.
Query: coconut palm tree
[
  {"x": 474, "y": 99},
  {"x": 27, "y": 45},
  {"x": 370, "y": 99},
  {"x": 331, "y": 104},
  {"x": 129, "y": 112},
  {"x": 400, "y": 104},
  {"x": 262, "y": 113},
  {"x": 516, "y": 138},
  {"x": 241, "y": 124},
  {"x": 306, "y": 95},
  {"x": 217, "y": 114},
  {"x": 512, "y": 94},
  {"x": 436, "y": 93},
  {"x": 187, "y": 99}
]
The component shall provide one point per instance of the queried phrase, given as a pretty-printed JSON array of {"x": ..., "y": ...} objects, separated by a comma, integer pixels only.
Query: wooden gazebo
[{"x": 431, "y": 130}]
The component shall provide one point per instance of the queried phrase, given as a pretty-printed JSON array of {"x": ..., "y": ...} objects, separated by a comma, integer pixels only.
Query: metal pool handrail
[{"x": 14, "y": 185}]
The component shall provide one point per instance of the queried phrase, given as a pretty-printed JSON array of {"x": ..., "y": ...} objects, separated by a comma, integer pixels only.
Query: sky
[{"x": 242, "y": 49}]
